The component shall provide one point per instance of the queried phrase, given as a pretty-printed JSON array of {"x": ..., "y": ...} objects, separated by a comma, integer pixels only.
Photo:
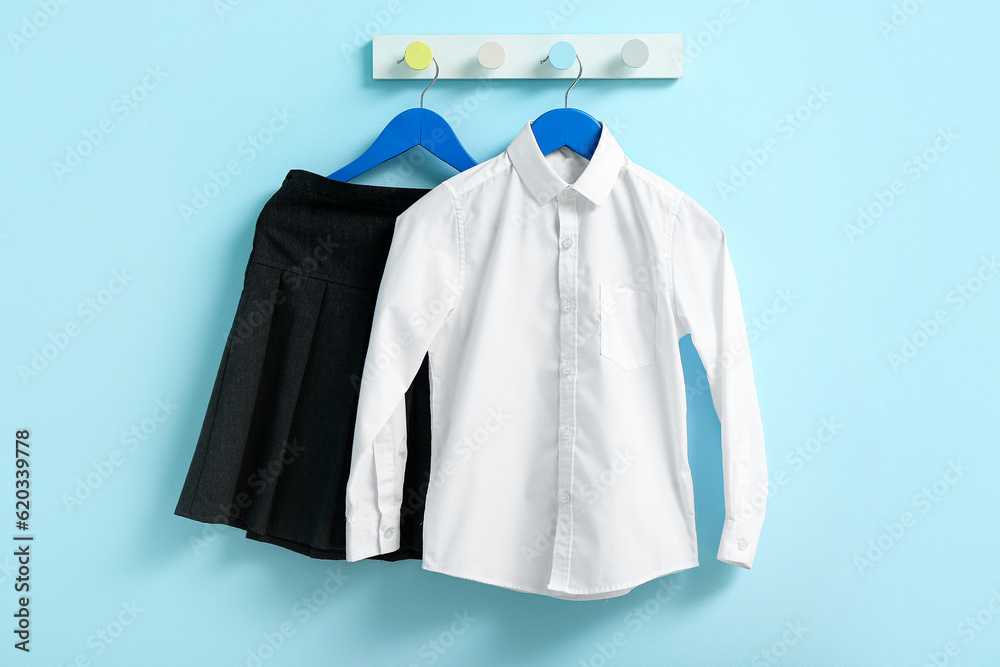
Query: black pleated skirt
[{"x": 274, "y": 452}]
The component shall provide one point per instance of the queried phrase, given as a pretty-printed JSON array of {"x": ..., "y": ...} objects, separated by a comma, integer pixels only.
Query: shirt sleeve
[
  {"x": 420, "y": 287},
  {"x": 707, "y": 305}
]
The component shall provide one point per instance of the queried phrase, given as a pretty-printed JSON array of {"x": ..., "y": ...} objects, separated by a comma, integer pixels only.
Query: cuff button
[
  {"x": 389, "y": 532},
  {"x": 742, "y": 544}
]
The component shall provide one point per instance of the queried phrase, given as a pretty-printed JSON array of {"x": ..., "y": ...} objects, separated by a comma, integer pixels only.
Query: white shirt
[{"x": 550, "y": 293}]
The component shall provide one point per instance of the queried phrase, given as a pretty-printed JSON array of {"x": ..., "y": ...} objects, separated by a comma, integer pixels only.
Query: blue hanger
[
  {"x": 573, "y": 128},
  {"x": 413, "y": 127}
]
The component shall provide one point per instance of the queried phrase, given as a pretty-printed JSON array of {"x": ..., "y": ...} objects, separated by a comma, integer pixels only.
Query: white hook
[{"x": 491, "y": 55}]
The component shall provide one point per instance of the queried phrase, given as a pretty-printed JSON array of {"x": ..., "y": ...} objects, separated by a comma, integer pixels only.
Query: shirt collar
[{"x": 544, "y": 183}]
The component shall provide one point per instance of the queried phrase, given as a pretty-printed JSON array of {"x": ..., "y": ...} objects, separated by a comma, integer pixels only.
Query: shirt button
[
  {"x": 389, "y": 532},
  {"x": 567, "y": 369},
  {"x": 742, "y": 544},
  {"x": 567, "y": 433},
  {"x": 564, "y": 496},
  {"x": 568, "y": 306},
  {"x": 567, "y": 242}
]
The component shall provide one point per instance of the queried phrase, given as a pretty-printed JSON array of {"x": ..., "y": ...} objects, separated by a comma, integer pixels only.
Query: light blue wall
[{"x": 854, "y": 441}]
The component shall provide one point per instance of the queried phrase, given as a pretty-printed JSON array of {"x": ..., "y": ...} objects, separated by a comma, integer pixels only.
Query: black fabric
[{"x": 274, "y": 452}]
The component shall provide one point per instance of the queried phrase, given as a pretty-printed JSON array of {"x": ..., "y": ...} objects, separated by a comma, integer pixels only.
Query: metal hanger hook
[
  {"x": 575, "y": 81},
  {"x": 437, "y": 70}
]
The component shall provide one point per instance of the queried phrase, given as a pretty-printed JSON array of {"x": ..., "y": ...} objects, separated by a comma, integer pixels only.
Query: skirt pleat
[
  {"x": 273, "y": 450},
  {"x": 226, "y": 446}
]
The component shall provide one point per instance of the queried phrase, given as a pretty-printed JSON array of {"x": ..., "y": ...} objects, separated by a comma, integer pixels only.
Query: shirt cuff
[
  {"x": 372, "y": 536},
  {"x": 739, "y": 543}
]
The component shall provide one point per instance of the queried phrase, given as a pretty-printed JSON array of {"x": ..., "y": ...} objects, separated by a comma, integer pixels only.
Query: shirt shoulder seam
[
  {"x": 659, "y": 184},
  {"x": 460, "y": 232},
  {"x": 672, "y": 221},
  {"x": 484, "y": 171}
]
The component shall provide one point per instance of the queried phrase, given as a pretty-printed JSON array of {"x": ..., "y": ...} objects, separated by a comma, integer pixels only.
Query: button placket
[{"x": 567, "y": 225}]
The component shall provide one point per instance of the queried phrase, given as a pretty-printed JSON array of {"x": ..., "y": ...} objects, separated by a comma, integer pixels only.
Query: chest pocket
[{"x": 628, "y": 326}]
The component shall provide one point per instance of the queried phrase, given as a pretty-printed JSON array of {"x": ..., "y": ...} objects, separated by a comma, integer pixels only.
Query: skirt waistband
[
  {"x": 356, "y": 194},
  {"x": 330, "y": 230}
]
